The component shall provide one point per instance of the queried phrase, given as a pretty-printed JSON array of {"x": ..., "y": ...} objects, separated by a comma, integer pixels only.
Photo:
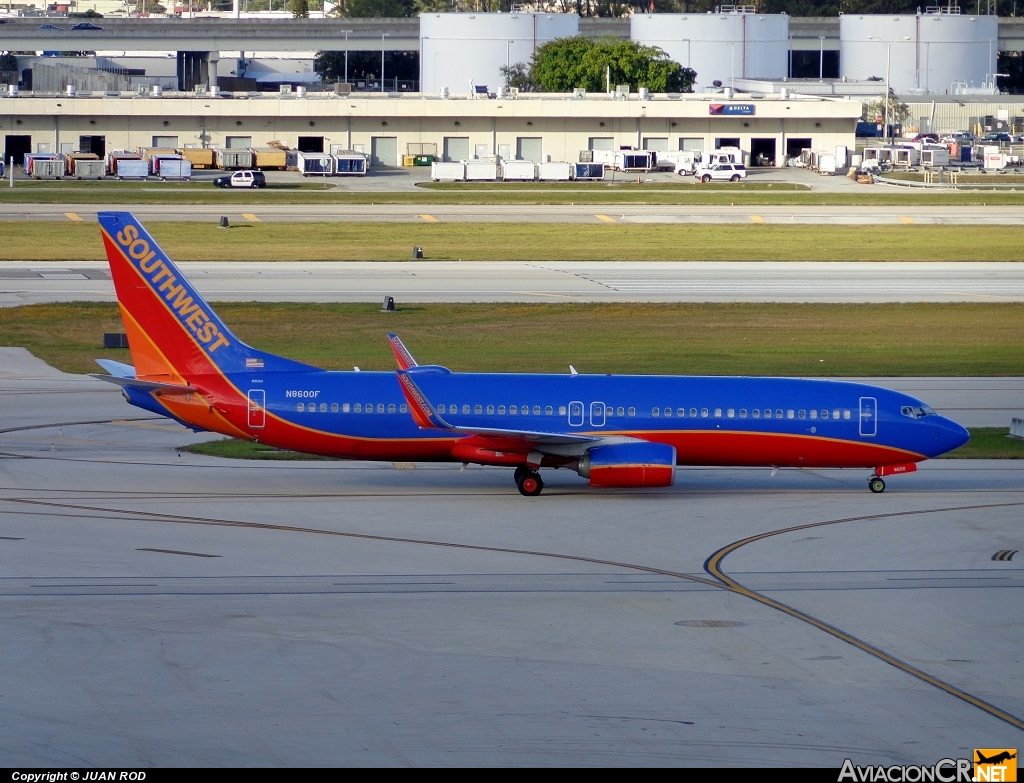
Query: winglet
[
  {"x": 402, "y": 355},
  {"x": 423, "y": 413}
]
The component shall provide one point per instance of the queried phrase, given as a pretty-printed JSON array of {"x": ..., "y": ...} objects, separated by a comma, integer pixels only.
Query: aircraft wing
[{"x": 427, "y": 417}]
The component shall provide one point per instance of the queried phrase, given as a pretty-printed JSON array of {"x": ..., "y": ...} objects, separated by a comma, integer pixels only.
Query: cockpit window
[{"x": 917, "y": 411}]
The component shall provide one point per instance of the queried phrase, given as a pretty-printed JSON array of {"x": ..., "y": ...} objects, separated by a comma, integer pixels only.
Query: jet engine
[{"x": 638, "y": 464}]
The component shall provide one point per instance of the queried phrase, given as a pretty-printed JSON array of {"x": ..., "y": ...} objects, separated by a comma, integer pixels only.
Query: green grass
[
  {"x": 989, "y": 443},
  {"x": 686, "y": 339},
  {"x": 985, "y": 443},
  {"x": 758, "y": 191},
  {"x": 445, "y": 241}
]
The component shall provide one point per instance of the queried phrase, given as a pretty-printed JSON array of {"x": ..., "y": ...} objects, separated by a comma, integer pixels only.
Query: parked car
[
  {"x": 86, "y": 26},
  {"x": 242, "y": 179},
  {"x": 959, "y": 137},
  {"x": 997, "y": 138},
  {"x": 926, "y": 137},
  {"x": 51, "y": 27},
  {"x": 729, "y": 172}
]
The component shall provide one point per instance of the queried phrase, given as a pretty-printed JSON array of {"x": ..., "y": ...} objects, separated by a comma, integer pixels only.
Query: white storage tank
[
  {"x": 460, "y": 50},
  {"x": 719, "y": 47},
  {"x": 933, "y": 53}
]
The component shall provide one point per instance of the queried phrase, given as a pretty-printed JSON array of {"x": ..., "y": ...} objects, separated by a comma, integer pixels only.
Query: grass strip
[
  {"x": 443, "y": 241},
  {"x": 596, "y": 193},
  {"x": 809, "y": 340}
]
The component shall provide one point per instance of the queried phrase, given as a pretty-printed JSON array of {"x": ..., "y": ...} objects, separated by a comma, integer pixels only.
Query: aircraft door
[
  {"x": 868, "y": 416},
  {"x": 575, "y": 414},
  {"x": 257, "y": 408},
  {"x": 597, "y": 410}
]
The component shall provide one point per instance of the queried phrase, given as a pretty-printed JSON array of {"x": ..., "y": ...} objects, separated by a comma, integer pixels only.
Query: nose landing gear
[{"x": 876, "y": 484}]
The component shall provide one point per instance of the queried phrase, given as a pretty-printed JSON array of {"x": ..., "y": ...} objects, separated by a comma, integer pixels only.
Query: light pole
[
  {"x": 888, "y": 52},
  {"x": 382, "y": 37},
  {"x": 346, "y": 54}
]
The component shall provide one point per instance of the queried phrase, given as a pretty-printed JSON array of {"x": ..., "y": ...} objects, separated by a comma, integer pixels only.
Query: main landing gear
[
  {"x": 876, "y": 485},
  {"x": 528, "y": 481}
]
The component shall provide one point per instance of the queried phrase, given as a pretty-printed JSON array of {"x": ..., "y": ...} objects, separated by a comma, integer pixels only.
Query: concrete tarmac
[{"x": 164, "y": 609}]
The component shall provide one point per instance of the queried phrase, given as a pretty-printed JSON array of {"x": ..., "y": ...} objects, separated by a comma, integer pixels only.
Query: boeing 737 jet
[{"x": 613, "y": 430}]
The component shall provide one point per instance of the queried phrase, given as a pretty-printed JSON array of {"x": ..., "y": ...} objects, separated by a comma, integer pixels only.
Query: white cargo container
[
  {"x": 90, "y": 169},
  {"x": 350, "y": 164},
  {"x": 43, "y": 168},
  {"x": 233, "y": 159},
  {"x": 315, "y": 164},
  {"x": 519, "y": 170},
  {"x": 175, "y": 168},
  {"x": 481, "y": 171},
  {"x": 935, "y": 156},
  {"x": 136, "y": 168},
  {"x": 444, "y": 170},
  {"x": 553, "y": 171}
]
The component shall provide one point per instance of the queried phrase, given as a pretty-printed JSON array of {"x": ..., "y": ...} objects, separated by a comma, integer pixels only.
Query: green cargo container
[{"x": 424, "y": 160}]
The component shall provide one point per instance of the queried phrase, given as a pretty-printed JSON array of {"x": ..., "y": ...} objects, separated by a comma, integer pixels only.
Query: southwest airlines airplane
[{"x": 613, "y": 430}]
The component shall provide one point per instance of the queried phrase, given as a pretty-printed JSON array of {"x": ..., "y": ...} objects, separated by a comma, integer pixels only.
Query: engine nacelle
[{"x": 638, "y": 464}]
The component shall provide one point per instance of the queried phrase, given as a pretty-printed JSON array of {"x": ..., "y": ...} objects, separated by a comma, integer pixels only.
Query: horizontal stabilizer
[{"x": 135, "y": 383}]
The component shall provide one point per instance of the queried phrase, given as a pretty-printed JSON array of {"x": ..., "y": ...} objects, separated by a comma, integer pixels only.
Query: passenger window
[
  {"x": 824, "y": 414},
  {"x": 814, "y": 414},
  {"x": 756, "y": 413},
  {"x": 536, "y": 410},
  {"x": 680, "y": 412},
  {"x": 656, "y": 412},
  {"x": 668, "y": 411},
  {"x": 440, "y": 408},
  {"x": 632, "y": 411},
  {"x": 703, "y": 413},
  {"x": 743, "y": 413},
  {"x": 562, "y": 410},
  {"x": 465, "y": 409},
  {"x": 323, "y": 407},
  {"x": 846, "y": 414},
  {"x": 403, "y": 408},
  {"x": 693, "y": 413},
  {"x": 478, "y": 409},
  {"x": 391, "y": 407},
  {"x": 778, "y": 413},
  {"x": 501, "y": 410},
  {"x": 718, "y": 413},
  {"x": 380, "y": 407},
  {"x": 801, "y": 414},
  {"x": 731, "y": 413},
  {"x": 358, "y": 407},
  {"x": 790, "y": 413},
  {"x": 512, "y": 410},
  {"x": 548, "y": 410},
  {"x": 346, "y": 408},
  {"x": 767, "y": 413},
  {"x": 300, "y": 407},
  {"x": 835, "y": 414},
  {"x": 490, "y": 410}
]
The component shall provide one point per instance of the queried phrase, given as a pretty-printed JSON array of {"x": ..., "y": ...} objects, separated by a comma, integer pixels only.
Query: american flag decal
[{"x": 254, "y": 364}]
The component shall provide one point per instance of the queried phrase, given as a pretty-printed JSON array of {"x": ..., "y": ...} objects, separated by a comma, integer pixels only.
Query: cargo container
[
  {"x": 74, "y": 158},
  {"x": 146, "y": 153},
  {"x": 519, "y": 170},
  {"x": 32, "y": 157},
  {"x": 625, "y": 160},
  {"x": 315, "y": 164},
  {"x": 116, "y": 157},
  {"x": 588, "y": 171},
  {"x": 552, "y": 171},
  {"x": 132, "y": 168},
  {"x": 174, "y": 168},
  {"x": 450, "y": 171},
  {"x": 481, "y": 170},
  {"x": 43, "y": 168},
  {"x": 198, "y": 157},
  {"x": 265, "y": 158},
  {"x": 233, "y": 159},
  {"x": 90, "y": 169},
  {"x": 155, "y": 161},
  {"x": 350, "y": 165}
]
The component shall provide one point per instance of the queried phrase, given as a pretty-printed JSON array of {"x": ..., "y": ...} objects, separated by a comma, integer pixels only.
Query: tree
[
  {"x": 299, "y": 9},
  {"x": 567, "y": 63},
  {"x": 898, "y": 111},
  {"x": 376, "y": 9}
]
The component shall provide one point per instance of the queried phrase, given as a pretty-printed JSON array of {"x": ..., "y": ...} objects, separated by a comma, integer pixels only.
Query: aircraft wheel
[
  {"x": 876, "y": 485},
  {"x": 521, "y": 472},
  {"x": 530, "y": 484}
]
